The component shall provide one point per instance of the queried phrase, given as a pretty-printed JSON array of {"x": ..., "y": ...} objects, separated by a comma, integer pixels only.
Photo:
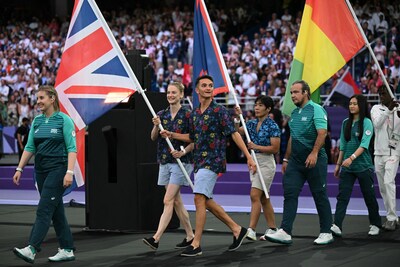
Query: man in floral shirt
[{"x": 210, "y": 126}]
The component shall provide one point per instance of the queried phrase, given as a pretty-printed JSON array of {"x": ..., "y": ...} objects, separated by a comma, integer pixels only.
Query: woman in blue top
[
  {"x": 52, "y": 141},
  {"x": 174, "y": 118},
  {"x": 265, "y": 141},
  {"x": 355, "y": 161}
]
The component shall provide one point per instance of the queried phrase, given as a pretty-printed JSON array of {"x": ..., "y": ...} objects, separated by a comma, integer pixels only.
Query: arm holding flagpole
[
  {"x": 141, "y": 91},
  {"x": 253, "y": 153},
  {"x": 336, "y": 85},
  {"x": 369, "y": 48},
  {"x": 219, "y": 61}
]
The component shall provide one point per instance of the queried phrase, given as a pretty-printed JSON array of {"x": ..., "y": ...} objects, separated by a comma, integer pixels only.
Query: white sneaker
[
  {"x": 373, "y": 230},
  {"x": 324, "y": 239},
  {"x": 251, "y": 235},
  {"x": 63, "y": 255},
  {"x": 27, "y": 253},
  {"x": 336, "y": 230},
  {"x": 268, "y": 231},
  {"x": 279, "y": 236}
]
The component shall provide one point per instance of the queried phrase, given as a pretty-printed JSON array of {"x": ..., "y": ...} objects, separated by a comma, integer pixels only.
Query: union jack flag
[{"x": 94, "y": 74}]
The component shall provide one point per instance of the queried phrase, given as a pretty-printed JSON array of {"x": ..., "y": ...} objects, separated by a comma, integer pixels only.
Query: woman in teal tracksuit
[
  {"x": 52, "y": 141},
  {"x": 355, "y": 161}
]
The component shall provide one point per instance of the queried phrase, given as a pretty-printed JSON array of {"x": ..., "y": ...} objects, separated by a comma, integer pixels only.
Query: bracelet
[
  {"x": 70, "y": 172},
  {"x": 18, "y": 169},
  {"x": 353, "y": 156},
  {"x": 183, "y": 150},
  {"x": 285, "y": 160},
  {"x": 339, "y": 164}
]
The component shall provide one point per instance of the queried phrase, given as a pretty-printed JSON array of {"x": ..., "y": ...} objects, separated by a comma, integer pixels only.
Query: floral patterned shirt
[
  {"x": 209, "y": 131},
  {"x": 180, "y": 124},
  {"x": 268, "y": 129}
]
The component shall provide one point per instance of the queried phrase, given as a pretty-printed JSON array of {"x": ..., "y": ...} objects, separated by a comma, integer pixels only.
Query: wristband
[
  {"x": 285, "y": 160},
  {"x": 353, "y": 156},
  {"x": 183, "y": 150},
  {"x": 70, "y": 172},
  {"x": 18, "y": 169}
]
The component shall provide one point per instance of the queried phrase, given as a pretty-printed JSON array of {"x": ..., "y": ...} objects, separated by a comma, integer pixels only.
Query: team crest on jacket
[{"x": 368, "y": 132}]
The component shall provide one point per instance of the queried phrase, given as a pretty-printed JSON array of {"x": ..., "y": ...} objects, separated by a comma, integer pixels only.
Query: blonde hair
[
  {"x": 52, "y": 93},
  {"x": 178, "y": 85}
]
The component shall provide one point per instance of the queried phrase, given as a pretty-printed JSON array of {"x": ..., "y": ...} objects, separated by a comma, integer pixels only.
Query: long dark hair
[{"x": 363, "y": 113}]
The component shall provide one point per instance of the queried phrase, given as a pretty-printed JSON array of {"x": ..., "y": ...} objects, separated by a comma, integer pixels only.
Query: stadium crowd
[{"x": 258, "y": 61}]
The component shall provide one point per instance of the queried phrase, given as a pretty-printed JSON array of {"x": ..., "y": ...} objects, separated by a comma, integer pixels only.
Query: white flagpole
[
  {"x": 190, "y": 102},
  {"x": 369, "y": 48},
  {"x": 142, "y": 92},
  {"x": 139, "y": 88},
  {"x": 230, "y": 86},
  {"x": 336, "y": 85}
]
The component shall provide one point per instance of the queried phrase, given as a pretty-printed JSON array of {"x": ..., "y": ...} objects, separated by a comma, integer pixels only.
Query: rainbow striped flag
[{"x": 328, "y": 38}]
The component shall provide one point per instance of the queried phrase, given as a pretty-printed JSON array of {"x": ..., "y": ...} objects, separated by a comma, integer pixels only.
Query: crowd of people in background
[{"x": 258, "y": 61}]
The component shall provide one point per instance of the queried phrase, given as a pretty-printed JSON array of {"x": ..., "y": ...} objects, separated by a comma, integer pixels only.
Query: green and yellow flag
[{"x": 328, "y": 38}]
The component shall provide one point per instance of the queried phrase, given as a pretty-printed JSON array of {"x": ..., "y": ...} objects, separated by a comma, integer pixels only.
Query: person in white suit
[{"x": 386, "y": 120}]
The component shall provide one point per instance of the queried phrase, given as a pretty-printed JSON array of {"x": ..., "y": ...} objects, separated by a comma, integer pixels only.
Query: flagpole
[
  {"x": 230, "y": 87},
  {"x": 370, "y": 49},
  {"x": 140, "y": 90},
  {"x": 336, "y": 85},
  {"x": 190, "y": 102}
]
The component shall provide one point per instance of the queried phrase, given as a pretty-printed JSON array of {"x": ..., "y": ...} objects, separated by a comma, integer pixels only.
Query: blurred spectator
[
  {"x": 21, "y": 134},
  {"x": 24, "y": 110},
  {"x": 4, "y": 91},
  {"x": 380, "y": 50},
  {"x": 12, "y": 111},
  {"x": 393, "y": 40}
]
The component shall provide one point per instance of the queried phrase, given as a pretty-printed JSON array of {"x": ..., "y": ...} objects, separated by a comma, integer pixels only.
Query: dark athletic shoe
[
  {"x": 184, "y": 243},
  {"x": 238, "y": 241},
  {"x": 190, "y": 251},
  {"x": 151, "y": 242}
]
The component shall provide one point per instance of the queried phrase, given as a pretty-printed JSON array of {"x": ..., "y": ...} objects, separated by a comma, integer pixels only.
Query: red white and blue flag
[
  {"x": 207, "y": 56},
  {"x": 94, "y": 74},
  {"x": 345, "y": 89}
]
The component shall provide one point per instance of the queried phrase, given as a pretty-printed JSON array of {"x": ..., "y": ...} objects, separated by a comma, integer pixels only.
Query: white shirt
[{"x": 385, "y": 123}]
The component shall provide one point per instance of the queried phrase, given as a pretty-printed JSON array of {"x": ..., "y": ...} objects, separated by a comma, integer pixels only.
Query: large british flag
[{"x": 94, "y": 75}]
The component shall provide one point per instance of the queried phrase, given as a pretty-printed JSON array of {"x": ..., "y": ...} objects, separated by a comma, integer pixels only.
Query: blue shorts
[
  {"x": 204, "y": 182},
  {"x": 171, "y": 173}
]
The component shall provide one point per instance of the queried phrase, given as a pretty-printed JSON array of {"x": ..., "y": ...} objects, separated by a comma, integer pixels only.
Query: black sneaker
[
  {"x": 151, "y": 242},
  {"x": 238, "y": 241},
  {"x": 184, "y": 243},
  {"x": 190, "y": 251}
]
